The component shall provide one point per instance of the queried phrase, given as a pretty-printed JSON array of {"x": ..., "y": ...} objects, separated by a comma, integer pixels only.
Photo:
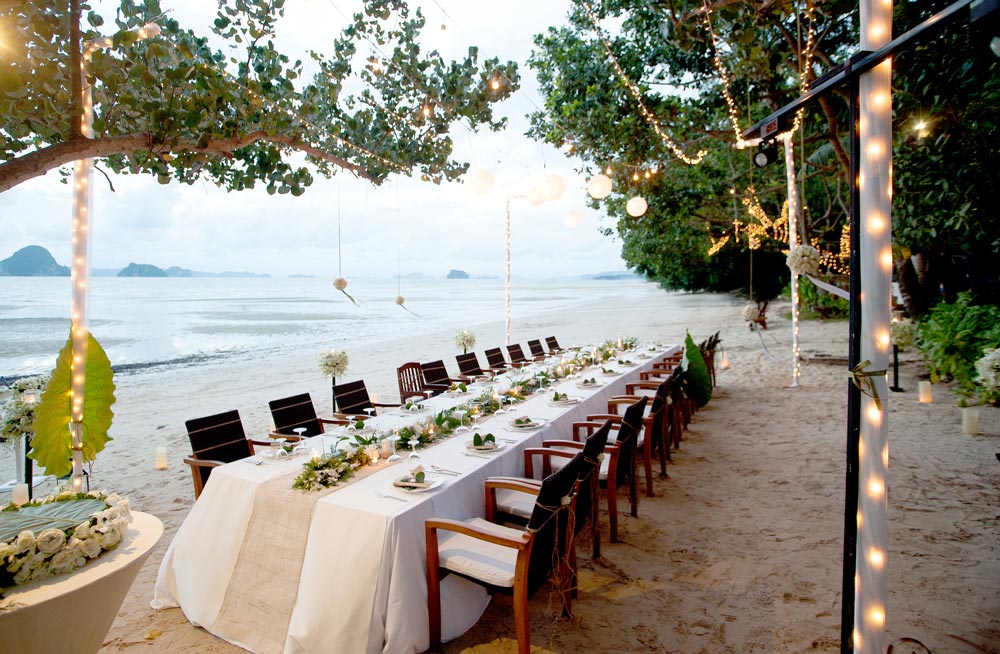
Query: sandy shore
[{"x": 740, "y": 550}]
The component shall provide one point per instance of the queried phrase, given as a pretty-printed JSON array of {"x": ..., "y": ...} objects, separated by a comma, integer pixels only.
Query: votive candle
[
  {"x": 970, "y": 421},
  {"x": 924, "y": 392},
  {"x": 19, "y": 494},
  {"x": 161, "y": 458}
]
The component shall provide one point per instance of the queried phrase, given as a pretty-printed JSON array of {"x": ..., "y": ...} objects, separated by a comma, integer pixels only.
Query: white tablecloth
[{"x": 363, "y": 582}]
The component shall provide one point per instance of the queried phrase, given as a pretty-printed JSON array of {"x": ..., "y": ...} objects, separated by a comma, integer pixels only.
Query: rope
[
  {"x": 863, "y": 380},
  {"x": 760, "y": 337}
]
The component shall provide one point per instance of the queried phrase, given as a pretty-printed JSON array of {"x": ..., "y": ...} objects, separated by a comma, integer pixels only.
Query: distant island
[
  {"x": 32, "y": 261},
  {"x": 611, "y": 276},
  {"x": 142, "y": 270},
  {"x": 457, "y": 274},
  {"x": 301, "y": 276}
]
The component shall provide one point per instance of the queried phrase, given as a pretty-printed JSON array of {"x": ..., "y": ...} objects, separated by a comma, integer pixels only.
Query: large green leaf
[
  {"x": 696, "y": 380},
  {"x": 51, "y": 442},
  {"x": 53, "y": 515}
]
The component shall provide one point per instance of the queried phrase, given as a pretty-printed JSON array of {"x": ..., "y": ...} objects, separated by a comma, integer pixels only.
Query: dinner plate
[
  {"x": 499, "y": 446},
  {"x": 585, "y": 385},
  {"x": 434, "y": 484},
  {"x": 610, "y": 374},
  {"x": 538, "y": 422},
  {"x": 570, "y": 402}
]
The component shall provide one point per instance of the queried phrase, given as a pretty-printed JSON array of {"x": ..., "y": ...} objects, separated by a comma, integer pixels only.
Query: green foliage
[
  {"x": 816, "y": 303},
  {"x": 51, "y": 442},
  {"x": 64, "y": 514},
  {"x": 172, "y": 107},
  {"x": 695, "y": 381},
  {"x": 953, "y": 337}
]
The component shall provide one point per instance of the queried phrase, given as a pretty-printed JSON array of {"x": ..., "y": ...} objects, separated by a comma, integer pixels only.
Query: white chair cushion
[
  {"x": 491, "y": 563},
  {"x": 515, "y": 502},
  {"x": 605, "y": 463}
]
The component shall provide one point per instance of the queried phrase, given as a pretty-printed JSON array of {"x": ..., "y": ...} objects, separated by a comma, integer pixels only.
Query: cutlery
[
  {"x": 445, "y": 471},
  {"x": 256, "y": 462},
  {"x": 390, "y": 496},
  {"x": 477, "y": 456}
]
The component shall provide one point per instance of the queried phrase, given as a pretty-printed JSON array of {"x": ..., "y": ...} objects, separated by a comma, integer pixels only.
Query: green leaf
[
  {"x": 51, "y": 442},
  {"x": 52, "y": 515},
  {"x": 477, "y": 440}
]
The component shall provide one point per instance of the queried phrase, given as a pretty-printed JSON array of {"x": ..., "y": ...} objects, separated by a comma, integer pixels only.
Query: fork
[
  {"x": 445, "y": 471},
  {"x": 390, "y": 496}
]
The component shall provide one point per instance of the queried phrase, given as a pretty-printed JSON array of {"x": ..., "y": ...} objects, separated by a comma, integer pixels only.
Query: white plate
[
  {"x": 499, "y": 446},
  {"x": 589, "y": 386},
  {"x": 534, "y": 425},
  {"x": 570, "y": 402},
  {"x": 434, "y": 484},
  {"x": 610, "y": 374}
]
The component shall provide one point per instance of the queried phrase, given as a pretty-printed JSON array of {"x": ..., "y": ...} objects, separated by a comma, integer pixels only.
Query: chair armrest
[
  {"x": 386, "y": 404},
  {"x": 203, "y": 463},
  {"x": 273, "y": 434},
  {"x": 332, "y": 421},
  {"x": 557, "y": 443},
  {"x": 436, "y": 524},
  {"x": 523, "y": 480},
  {"x": 510, "y": 483},
  {"x": 631, "y": 387},
  {"x": 614, "y": 418}
]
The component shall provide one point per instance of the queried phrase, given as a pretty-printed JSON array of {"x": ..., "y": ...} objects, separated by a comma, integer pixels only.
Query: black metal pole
[
  {"x": 29, "y": 468},
  {"x": 895, "y": 370},
  {"x": 853, "y": 393}
]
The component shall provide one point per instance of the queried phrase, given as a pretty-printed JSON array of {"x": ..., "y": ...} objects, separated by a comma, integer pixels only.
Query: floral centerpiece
[
  {"x": 327, "y": 470},
  {"x": 19, "y": 416},
  {"x": 803, "y": 259},
  {"x": 82, "y": 526},
  {"x": 465, "y": 340},
  {"x": 903, "y": 332},
  {"x": 988, "y": 376},
  {"x": 333, "y": 364}
]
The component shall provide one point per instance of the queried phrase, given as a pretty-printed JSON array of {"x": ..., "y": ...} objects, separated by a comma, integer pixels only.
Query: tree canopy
[{"x": 174, "y": 107}]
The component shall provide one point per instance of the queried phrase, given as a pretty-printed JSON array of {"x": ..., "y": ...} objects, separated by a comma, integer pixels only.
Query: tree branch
[{"x": 39, "y": 162}]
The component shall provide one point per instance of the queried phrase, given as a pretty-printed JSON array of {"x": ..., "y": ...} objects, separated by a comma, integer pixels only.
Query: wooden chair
[
  {"x": 552, "y": 344},
  {"x": 495, "y": 359},
  {"x": 215, "y": 441},
  {"x": 297, "y": 411},
  {"x": 537, "y": 351},
  {"x": 436, "y": 378},
  {"x": 660, "y": 429},
  {"x": 651, "y": 435},
  {"x": 516, "y": 354},
  {"x": 411, "y": 382},
  {"x": 468, "y": 365},
  {"x": 353, "y": 399},
  {"x": 506, "y": 558}
]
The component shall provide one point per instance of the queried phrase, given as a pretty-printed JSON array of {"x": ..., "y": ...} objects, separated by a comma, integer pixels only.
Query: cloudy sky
[{"x": 431, "y": 228}]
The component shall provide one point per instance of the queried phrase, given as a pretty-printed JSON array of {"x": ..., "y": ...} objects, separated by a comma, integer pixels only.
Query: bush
[
  {"x": 815, "y": 303},
  {"x": 953, "y": 337}
]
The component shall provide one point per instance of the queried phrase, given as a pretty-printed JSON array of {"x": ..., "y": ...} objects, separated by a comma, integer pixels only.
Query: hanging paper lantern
[
  {"x": 636, "y": 206},
  {"x": 599, "y": 187},
  {"x": 480, "y": 181},
  {"x": 552, "y": 186},
  {"x": 536, "y": 196},
  {"x": 573, "y": 219}
]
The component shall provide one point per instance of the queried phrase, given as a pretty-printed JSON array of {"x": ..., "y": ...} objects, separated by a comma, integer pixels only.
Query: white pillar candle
[
  {"x": 924, "y": 391},
  {"x": 161, "y": 458},
  {"x": 970, "y": 421},
  {"x": 19, "y": 494}
]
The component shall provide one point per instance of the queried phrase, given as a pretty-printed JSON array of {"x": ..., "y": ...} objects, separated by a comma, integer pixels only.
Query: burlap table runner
[{"x": 265, "y": 582}]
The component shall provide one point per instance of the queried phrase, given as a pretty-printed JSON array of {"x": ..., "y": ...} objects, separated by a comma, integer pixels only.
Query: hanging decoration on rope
[
  {"x": 400, "y": 300},
  {"x": 341, "y": 282}
]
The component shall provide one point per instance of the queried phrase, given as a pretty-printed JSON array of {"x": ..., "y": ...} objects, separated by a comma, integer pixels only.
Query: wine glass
[
  {"x": 393, "y": 439},
  {"x": 461, "y": 419},
  {"x": 278, "y": 447},
  {"x": 414, "y": 459}
]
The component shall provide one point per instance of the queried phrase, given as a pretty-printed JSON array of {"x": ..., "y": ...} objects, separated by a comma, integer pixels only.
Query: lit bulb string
[{"x": 637, "y": 94}]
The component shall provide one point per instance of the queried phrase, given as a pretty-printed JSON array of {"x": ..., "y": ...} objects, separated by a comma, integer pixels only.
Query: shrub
[{"x": 953, "y": 337}]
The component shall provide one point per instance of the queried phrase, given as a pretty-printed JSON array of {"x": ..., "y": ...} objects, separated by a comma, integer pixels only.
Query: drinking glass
[{"x": 461, "y": 419}]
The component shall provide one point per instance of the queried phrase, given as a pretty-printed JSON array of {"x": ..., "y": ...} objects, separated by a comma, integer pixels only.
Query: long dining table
[{"x": 272, "y": 569}]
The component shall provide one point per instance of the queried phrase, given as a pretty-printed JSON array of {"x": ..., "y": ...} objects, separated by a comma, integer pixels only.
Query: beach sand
[{"x": 740, "y": 550}]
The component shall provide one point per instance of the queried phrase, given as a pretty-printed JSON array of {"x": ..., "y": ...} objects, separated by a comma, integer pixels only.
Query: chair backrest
[
  {"x": 218, "y": 437},
  {"x": 495, "y": 359},
  {"x": 516, "y": 353},
  {"x": 352, "y": 397},
  {"x": 536, "y": 348},
  {"x": 587, "y": 473},
  {"x": 435, "y": 372},
  {"x": 628, "y": 434},
  {"x": 468, "y": 364},
  {"x": 548, "y": 522},
  {"x": 552, "y": 343},
  {"x": 293, "y": 412},
  {"x": 411, "y": 381}
]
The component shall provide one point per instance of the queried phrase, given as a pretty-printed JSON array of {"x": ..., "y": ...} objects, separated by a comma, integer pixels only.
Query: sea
[{"x": 145, "y": 322}]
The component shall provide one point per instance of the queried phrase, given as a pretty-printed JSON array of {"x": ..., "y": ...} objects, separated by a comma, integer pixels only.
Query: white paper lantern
[
  {"x": 599, "y": 187},
  {"x": 573, "y": 219},
  {"x": 552, "y": 186},
  {"x": 480, "y": 181},
  {"x": 636, "y": 206},
  {"x": 536, "y": 196}
]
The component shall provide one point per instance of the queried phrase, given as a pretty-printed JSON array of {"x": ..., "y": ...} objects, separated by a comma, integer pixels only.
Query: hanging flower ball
[
  {"x": 803, "y": 260},
  {"x": 599, "y": 187},
  {"x": 400, "y": 300},
  {"x": 333, "y": 363},
  {"x": 573, "y": 219},
  {"x": 340, "y": 283},
  {"x": 636, "y": 206},
  {"x": 751, "y": 313},
  {"x": 480, "y": 181}
]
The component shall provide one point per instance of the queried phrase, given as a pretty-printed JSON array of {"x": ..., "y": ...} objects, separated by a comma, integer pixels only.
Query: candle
[
  {"x": 970, "y": 421},
  {"x": 924, "y": 389},
  {"x": 314, "y": 454},
  {"x": 725, "y": 361},
  {"x": 19, "y": 494},
  {"x": 161, "y": 458}
]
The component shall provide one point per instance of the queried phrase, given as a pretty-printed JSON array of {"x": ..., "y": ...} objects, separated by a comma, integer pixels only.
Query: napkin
[{"x": 410, "y": 484}]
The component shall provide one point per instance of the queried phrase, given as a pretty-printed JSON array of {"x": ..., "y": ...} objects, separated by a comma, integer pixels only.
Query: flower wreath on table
[{"x": 72, "y": 528}]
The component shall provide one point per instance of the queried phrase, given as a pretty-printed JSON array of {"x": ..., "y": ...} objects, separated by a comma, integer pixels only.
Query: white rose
[
  {"x": 6, "y": 550},
  {"x": 63, "y": 562},
  {"x": 25, "y": 541},
  {"x": 51, "y": 541},
  {"x": 84, "y": 531},
  {"x": 41, "y": 571},
  {"x": 111, "y": 538},
  {"x": 22, "y": 575}
]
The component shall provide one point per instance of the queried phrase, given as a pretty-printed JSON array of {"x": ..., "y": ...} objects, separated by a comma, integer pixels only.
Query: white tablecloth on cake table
[{"x": 362, "y": 586}]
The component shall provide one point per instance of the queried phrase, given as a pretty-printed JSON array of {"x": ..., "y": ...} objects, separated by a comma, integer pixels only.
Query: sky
[{"x": 417, "y": 226}]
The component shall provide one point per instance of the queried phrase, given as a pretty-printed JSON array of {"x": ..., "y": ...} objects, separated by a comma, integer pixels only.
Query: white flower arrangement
[
  {"x": 465, "y": 340},
  {"x": 341, "y": 285},
  {"x": 400, "y": 300},
  {"x": 19, "y": 418},
  {"x": 903, "y": 332},
  {"x": 28, "y": 557},
  {"x": 751, "y": 313},
  {"x": 803, "y": 260},
  {"x": 988, "y": 375},
  {"x": 333, "y": 363}
]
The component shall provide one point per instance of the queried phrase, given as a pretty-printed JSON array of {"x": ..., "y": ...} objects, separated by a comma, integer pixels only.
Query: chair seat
[
  {"x": 605, "y": 464},
  {"x": 518, "y": 503},
  {"x": 493, "y": 564}
]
